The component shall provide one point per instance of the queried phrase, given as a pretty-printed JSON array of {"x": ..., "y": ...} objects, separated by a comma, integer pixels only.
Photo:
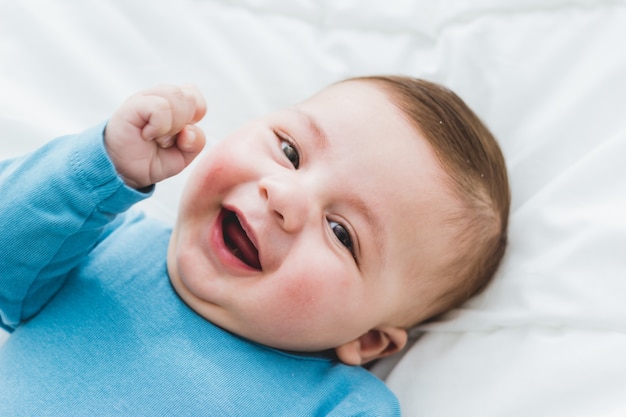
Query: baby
[{"x": 306, "y": 243}]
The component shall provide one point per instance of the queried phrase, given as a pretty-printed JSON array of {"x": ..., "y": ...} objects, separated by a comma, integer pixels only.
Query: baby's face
[{"x": 312, "y": 225}]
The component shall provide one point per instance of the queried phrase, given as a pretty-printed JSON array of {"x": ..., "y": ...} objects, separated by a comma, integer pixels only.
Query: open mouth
[{"x": 238, "y": 242}]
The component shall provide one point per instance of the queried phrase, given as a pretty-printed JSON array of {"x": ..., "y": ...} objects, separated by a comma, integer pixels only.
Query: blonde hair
[{"x": 477, "y": 173}]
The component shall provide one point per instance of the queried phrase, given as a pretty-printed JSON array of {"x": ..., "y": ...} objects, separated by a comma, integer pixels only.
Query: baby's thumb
[{"x": 190, "y": 142}]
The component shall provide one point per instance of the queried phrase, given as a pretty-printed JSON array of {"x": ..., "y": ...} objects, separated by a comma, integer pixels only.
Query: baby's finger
[
  {"x": 190, "y": 141},
  {"x": 177, "y": 107},
  {"x": 166, "y": 141},
  {"x": 199, "y": 105},
  {"x": 157, "y": 112}
]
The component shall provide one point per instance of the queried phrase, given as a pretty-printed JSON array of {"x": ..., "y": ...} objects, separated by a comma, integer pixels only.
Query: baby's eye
[
  {"x": 342, "y": 235},
  {"x": 290, "y": 152}
]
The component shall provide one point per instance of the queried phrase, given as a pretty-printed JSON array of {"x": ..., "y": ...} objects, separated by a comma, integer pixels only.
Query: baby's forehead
[{"x": 354, "y": 88}]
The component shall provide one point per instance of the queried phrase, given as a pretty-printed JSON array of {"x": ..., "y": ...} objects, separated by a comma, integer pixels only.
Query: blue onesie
[{"x": 97, "y": 328}]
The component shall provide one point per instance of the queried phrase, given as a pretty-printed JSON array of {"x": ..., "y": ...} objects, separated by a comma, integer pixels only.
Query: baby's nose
[{"x": 287, "y": 200}]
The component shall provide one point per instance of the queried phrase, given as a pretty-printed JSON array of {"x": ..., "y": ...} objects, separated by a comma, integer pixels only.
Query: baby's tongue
[{"x": 238, "y": 242}]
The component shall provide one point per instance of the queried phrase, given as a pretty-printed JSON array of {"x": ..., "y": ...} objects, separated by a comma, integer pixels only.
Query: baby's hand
[{"x": 153, "y": 136}]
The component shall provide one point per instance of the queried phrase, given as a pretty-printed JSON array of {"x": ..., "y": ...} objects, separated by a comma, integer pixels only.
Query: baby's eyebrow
[{"x": 318, "y": 132}]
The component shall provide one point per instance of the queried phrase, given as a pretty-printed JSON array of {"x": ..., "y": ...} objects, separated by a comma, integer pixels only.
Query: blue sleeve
[{"x": 55, "y": 204}]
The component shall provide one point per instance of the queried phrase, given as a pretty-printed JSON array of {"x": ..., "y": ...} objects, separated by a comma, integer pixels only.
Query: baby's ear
[{"x": 376, "y": 343}]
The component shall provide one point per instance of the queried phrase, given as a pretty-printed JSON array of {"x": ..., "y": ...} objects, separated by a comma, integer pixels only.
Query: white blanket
[{"x": 548, "y": 337}]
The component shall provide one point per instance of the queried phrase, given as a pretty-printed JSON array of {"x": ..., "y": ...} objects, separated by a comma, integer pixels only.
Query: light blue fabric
[{"x": 100, "y": 331}]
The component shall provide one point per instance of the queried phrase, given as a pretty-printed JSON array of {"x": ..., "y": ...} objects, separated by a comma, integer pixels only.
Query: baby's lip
[{"x": 239, "y": 238}]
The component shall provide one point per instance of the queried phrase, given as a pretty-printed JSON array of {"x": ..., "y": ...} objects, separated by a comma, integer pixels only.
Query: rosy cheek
[
  {"x": 307, "y": 297},
  {"x": 295, "y": 293},
  {"x": 213, "y": 175}
]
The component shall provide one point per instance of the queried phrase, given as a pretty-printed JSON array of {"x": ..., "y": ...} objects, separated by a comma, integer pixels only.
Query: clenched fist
[{"x": 153, "y": 136}]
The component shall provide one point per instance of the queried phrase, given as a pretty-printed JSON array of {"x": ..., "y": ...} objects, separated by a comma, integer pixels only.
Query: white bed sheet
[{"x": 549, "y": 77}]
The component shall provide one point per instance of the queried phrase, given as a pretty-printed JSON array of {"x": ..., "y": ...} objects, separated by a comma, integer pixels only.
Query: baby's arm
[
  {"x": 152, "y": 136},
  {"x": 57, "y": 202}
]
